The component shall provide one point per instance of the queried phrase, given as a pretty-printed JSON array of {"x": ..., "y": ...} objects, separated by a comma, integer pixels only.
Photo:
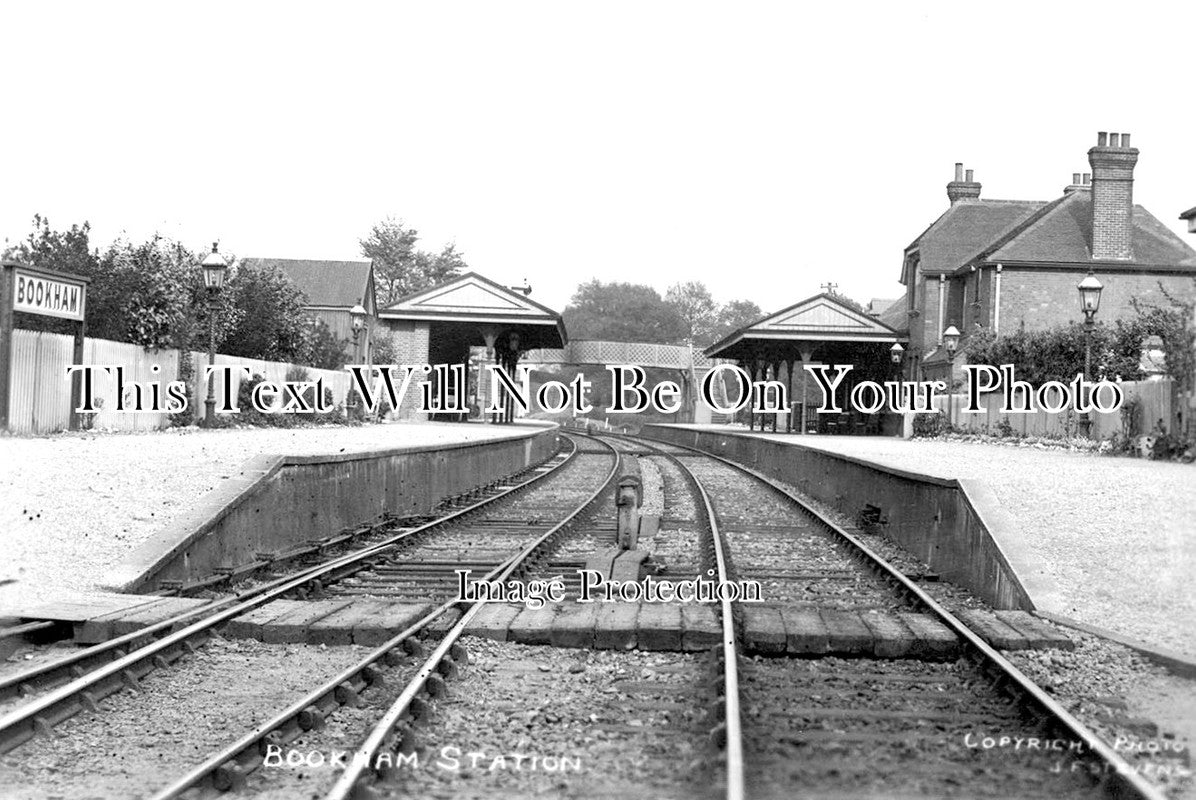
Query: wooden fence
[
  {"x": 1151, "y": 402},
  {"x": 41, "y": 389}
]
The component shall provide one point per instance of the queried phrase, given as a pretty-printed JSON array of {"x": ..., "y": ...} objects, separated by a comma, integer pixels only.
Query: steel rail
[
  {"x": 734, "y": 729},
  {"x": 72, "y": 663},
  {"x": 1120, "y": 780},
  {"x": 43, "y": 712},
  {"x": 349, "y": 782}
]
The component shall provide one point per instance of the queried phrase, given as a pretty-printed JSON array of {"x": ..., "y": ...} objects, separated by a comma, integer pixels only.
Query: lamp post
[
  {"x": 357, "y": 315},
  {"x": 951, "y": 344},
  {"x": 1090, "y": 289},
  {"x": 214, "y": 271}
]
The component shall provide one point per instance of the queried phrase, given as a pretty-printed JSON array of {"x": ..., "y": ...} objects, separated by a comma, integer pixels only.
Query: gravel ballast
[{"x": 140, "y": 740}]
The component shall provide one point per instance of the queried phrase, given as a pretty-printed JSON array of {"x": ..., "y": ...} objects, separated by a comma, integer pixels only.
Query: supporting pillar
[{"x": 789, "y": 394}]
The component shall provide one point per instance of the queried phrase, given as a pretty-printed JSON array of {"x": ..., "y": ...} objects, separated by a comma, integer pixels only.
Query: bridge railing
[{"x": 645, "y": 354}]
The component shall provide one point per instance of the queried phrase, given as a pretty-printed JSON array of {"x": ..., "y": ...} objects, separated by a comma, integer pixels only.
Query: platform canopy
[
  {"x": 823, "y": 327},
  {"x": 471, "y": 309}
]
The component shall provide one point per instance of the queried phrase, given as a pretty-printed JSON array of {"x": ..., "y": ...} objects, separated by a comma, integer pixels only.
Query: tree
[
  {"x": 272, "y": 324},
  {"x": 696, "y": 308},
  {"x": 400, "y": 268},
  {"x": 622, "y": 312},
  {"x": 734, "y": 315},
  {"x": 150, "y": 294},
  {"x": 322, "y": 349}
]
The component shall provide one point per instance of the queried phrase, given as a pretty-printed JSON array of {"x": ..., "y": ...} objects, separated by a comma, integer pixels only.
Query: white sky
[{"x": 763, "y": 148}]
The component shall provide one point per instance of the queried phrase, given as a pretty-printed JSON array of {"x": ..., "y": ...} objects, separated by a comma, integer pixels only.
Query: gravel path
[
  {"x": 1116, "y": 537},
  {"x": 75, "y": 504}
]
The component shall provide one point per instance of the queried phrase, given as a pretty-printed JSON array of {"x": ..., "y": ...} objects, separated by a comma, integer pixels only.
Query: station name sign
[{"x": 35, "y": 292}]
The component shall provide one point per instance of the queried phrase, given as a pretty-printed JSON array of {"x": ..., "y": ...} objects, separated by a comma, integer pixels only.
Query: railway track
[
  {"x": 717, "y": 724},
  {"x": 81, "y": 680},
  {"x": 835, "y": 727}
]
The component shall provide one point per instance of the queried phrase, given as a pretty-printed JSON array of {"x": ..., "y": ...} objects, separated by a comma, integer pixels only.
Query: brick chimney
[
  {"x": 1113, "y": 163},
  {"x": 963, "y": 187}
]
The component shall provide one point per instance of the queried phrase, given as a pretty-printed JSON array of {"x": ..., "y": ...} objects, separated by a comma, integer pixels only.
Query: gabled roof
[
  {"x": 329, "y": 284},
  {"x": 1061, "y": 233},
  {"x": 1189, "y": 214},
  {"x": 965, "y": 228},
  {"x": 820, "y": 318},
  {"x": 896, "y": 315},
  {"x": 472, "y": 298}
]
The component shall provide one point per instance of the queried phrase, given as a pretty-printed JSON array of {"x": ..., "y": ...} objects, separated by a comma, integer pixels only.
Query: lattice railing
[{"x": 644, "y": 354}]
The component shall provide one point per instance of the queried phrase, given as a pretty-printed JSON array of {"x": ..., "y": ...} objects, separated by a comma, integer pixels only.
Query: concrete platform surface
[
  {"x": 74, "y": 505},
  {"x": 1113, "y": 539}
]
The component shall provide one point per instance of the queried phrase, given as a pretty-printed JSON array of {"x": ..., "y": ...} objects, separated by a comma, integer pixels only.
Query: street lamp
[
  {"x": 357, "y": 314},
  {"x": 951, "y": 344},
  {"x": 896, "y": 352},
  {"x": 1090, "y": 289},
  {"x": 214, "y": 271}
]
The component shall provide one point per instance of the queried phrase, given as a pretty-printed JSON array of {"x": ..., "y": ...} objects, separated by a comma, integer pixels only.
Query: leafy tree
[
  {"x": 323, "y": 350},
  {"x": 734, "y": 315},
  {"x": 400, "y": 268},
  {"x": 148, "y": 294},
  {"x": 622, "y": 312},
  {"x": 441, "y": 267},
  {"x": 272, "y": 324},
  {"x": 696, "y": 309}
]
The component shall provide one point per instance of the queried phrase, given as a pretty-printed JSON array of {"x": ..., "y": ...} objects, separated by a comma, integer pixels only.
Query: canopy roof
[
  {"x": 476, "y": 304},
  {"x": 819, "y": 319}
]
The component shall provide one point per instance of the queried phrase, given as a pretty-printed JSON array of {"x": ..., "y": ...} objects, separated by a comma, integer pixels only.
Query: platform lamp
[
  {"x": 215, "y": 269},
  {"x": 1090, "y": 289},
  {"x": 950, "y": 344},
  {"x": 357, "y": 315}
]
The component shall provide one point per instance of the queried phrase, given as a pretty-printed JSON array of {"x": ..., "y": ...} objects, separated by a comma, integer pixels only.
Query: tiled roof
[
  {"x": 1064, "y": 232},
  {"x": 1189, "y": 214},
  {"x": 340, "y": 284},
  {"x": 966, "y": 228},
  {"x": 896, "y": 315}
]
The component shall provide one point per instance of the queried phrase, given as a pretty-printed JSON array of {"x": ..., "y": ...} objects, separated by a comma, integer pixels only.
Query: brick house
[{"x": 1009, "y": 264}]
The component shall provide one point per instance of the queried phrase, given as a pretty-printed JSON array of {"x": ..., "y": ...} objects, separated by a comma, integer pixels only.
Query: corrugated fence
[{"x": 41, "y": 390}]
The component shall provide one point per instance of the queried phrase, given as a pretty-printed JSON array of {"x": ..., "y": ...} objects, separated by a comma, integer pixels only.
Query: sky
[{"x": 761, "y": 148}]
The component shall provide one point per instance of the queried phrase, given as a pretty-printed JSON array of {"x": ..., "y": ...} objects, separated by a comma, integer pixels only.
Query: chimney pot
[
  {"x": 968, "y": 178},
  {"x": 1102, "y": 139},
  {"x": 1087, "y": 178},
  {"x": 1125, "y": 140},
  {"x": 958, "y": 171},
  {"x": 1114, "y": 140},
  {"x": 1075, "y": 179}
]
